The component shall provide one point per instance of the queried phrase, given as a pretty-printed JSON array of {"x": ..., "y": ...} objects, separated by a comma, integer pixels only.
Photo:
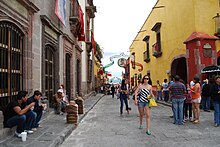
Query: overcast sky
[{"x": 116, "y": 24}]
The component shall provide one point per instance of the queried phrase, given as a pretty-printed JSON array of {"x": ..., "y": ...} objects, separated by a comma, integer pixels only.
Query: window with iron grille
[
  {"x": 147, "y": 52},
  {"x": 156, "y": 48},
  {"x": 11, "y": 56},
  {"x": 68, "y": 78},
  {"x": 49, "y": 73}
]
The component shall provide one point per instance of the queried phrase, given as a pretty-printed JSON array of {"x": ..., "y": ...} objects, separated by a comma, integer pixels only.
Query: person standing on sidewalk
[
  {"x": 188, "y": 105},
  {"x": 178, "y": 91},
  {"x": 159, "y": 91},
  {"x": 123, "y": 97},
  {"x": 144, "y": 90},
  {"x": 165, "y": 87},
  {"x": 196, "y": 99},
  {"x": 216, "y": 98},
  {"x": 206, "y": 96},
  {"x": 17, "y": 113}
]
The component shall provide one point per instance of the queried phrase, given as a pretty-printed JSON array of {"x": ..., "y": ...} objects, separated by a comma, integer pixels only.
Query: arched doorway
[
  {"x": 179, "y": 67},
  {"x": 68, "y": 79},
  {"x": 49, "y": 73},
  {"x": 11, "y": 62}
]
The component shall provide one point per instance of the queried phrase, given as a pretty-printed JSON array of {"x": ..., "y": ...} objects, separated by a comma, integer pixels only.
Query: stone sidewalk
[{"x": 55, "y": 129}]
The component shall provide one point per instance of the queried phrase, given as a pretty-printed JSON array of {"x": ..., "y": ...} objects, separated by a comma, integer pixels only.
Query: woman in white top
[{"x": 143, "y": 91}]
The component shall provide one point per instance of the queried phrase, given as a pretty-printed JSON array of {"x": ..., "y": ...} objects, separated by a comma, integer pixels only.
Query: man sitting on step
[{"x": 17, "y": 113}]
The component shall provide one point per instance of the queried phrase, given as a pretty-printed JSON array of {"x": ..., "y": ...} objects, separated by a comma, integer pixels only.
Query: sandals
[{"x": 196, "y": 122}]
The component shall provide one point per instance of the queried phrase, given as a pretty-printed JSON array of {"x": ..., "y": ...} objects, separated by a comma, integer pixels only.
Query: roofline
[{"x": 144, "y": 23}]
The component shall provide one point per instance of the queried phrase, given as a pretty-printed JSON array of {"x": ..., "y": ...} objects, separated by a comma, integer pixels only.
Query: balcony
[
  {"x": 146, "y": 56},
  {"x": 74, "y": 25},
  {"x": 157, "y": 50},
  {"x": 91, "y": 11}
]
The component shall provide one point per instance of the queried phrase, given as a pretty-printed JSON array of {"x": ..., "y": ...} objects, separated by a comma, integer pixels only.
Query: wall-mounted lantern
[{"x": 217, "y": 25}]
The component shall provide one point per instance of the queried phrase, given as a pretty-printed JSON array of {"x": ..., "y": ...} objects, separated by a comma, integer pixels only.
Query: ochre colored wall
[{"x": 179, "y": 19}]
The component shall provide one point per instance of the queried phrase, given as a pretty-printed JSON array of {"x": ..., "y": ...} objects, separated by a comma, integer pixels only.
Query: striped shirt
[{"x": 143, "y": 95}]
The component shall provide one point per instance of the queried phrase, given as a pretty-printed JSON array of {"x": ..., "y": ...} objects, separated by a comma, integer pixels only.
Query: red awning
[{"x": 199, "y": 35}]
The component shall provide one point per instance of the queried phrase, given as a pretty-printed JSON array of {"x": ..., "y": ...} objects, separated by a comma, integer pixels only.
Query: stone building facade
[{"x": 38, "y": 52}]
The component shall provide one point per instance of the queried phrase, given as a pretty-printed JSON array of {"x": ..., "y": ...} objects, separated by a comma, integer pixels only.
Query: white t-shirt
[{"x": 165, "y": 86}]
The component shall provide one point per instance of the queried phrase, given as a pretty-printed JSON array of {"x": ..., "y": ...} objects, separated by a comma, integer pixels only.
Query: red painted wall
[
  {"x": 195, "y": 52},
  {"x": 191, "y": 60}
]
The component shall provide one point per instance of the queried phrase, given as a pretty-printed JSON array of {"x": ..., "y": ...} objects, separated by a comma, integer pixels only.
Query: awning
[{"x": 211, "y": 69}]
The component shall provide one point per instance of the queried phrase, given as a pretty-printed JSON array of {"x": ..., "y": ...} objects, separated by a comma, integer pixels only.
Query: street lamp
[{"x": 217, "y": 25}]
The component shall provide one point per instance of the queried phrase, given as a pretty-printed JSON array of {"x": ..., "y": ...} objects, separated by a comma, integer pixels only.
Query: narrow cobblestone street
[{"x": 104, "y": 127}]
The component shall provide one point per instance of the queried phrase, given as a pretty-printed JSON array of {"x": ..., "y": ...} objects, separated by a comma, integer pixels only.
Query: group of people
[
  {"x": 24, "y": 112},
  {"x": 141, "y": 93},
  {"x": 185, "y": 98}
]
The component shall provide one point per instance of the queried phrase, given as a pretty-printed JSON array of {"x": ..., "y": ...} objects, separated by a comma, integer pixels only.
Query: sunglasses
[{"x": 146, "y": 78}]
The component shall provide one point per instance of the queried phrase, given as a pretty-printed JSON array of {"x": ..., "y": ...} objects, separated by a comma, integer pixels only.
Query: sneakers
[
  {"x": 39, "y": 126},
  {"x": 216, "y": 125},
  {"x": 17, "y": 134},
  {"x": 140, "y": 127},
  {"x": 148, "y": 132},
  {"x": 29, "y": 131},
  {"x": 34, "y": 129}
]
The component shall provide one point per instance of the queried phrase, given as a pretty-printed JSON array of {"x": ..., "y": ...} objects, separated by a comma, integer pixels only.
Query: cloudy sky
[{"x": 116, "y": 25}]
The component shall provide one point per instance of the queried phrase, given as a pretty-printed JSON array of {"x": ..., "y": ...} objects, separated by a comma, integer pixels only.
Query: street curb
[
  {"x": 90, "y": 108},
  {"x": 68, "y": 130}
]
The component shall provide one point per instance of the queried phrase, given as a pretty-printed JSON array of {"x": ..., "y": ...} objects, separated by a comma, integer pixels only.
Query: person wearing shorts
[
  {"x": 144, "y": 90},
  {"x": 196, "y": 99}
]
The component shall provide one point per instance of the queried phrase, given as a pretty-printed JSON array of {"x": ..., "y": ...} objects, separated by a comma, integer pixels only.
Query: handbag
[{"x": 152, "y": 103}]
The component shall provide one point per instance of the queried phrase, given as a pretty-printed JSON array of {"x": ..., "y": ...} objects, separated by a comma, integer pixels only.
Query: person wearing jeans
[
  {"x": 38, "y": 108},
  {"x": 17, "y": 113},
  {"x": 123, "y": 97},
  {"x": 216, "y": 99},
  {"x": 165, "y": 90},
  {"x": 178, "y": 91},
  {"x": 206, "y": 96}
]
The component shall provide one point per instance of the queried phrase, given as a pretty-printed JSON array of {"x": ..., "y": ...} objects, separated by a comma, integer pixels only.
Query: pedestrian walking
[
  {"x": 178, "y": 91},
  {"x": 196, "y": 99},
  {"x": 123, "y": 97},
  {"x": 216, "y": 99},
  {"x": 144, "y": 90},
  {"x": 113, "y": 90}
]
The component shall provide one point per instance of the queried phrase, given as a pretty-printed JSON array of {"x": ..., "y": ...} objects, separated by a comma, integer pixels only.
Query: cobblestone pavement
[
  {"x": 104, "y": 127},
  {"x": 54, "y": 131}
]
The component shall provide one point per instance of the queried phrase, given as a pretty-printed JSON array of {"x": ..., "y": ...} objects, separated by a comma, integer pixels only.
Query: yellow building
[
  {"x": 96, "y": 68},
  {"x": 159, "y": 45}
]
